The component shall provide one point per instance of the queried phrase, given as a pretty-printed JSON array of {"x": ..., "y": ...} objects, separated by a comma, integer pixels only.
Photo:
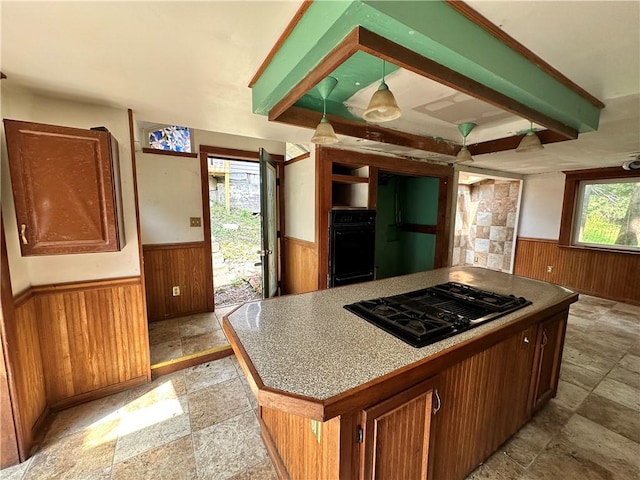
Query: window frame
[
  {"x": 571, "y": 204},
  {"x": 147, "y": 148}
]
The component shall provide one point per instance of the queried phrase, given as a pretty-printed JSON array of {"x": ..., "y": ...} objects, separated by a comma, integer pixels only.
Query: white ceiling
[{"x": 190, "y": 63}]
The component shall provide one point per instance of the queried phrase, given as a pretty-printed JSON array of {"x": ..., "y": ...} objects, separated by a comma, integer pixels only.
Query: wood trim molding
[
  {"x": 172, "y": 246},
  {"x": 360, "y": 39},
  {"x": 236, "y": 154},
  {"x": 531, "y": 239},
  {"x": 22, "y": 298},
  {"x": 283, "y": 37},
  {"x": 134, "y": 170},
  {"x": 571, "y": 188},
  {"x": 206, "y": 229},
  {"x": 99, "y": 393},
  {"x": 170, "y": 153},
  {"x": 297, "y": 159},
  {"x": 511, "y": 42},
  {"x": 55, "y": 288},
  {"x": 301, "y": 242}
]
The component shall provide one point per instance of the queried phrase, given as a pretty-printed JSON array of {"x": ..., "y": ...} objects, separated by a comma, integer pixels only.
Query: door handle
[
  {"x": 437, "y": 409},
  {"x": 23, "y": 236},
  {"x": 262, "y": 253}
]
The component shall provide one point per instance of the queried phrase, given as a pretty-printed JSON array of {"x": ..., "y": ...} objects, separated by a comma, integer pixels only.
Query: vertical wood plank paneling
[
  {"x": 183, "y": 265},
  {"x": 609, "y": 275},
  {"x": 301, "y": 261},
  {"x": 27, "y": 363},
  {"x": 484, "y": 400},
  {"x": 304, "y": 457},
  {"x": 91, "y": 339},
  {"x": 9, "y": 454}
]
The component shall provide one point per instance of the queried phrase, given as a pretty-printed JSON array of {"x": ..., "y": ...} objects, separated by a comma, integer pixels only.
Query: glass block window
[{"x": 172, "y": 138}]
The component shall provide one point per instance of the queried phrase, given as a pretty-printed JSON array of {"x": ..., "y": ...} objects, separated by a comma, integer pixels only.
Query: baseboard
[{"x": 99, "y": 393}]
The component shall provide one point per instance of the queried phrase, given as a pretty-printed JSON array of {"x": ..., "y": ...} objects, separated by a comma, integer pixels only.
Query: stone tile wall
[{"x": 484, "y": 225}]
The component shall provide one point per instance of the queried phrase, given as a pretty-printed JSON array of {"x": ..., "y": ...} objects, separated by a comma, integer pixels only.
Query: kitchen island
[{"x": 341, "y": 398}]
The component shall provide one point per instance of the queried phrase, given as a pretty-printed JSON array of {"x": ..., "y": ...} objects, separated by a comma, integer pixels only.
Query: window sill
[
  {"x": 601, "y": 249},
  {"x": 157, "y": 151}
]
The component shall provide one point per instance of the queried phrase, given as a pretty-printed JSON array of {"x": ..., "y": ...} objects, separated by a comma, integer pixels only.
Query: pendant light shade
[
  {"x": 530, "y": 142},
  {"x": 382, "y": 106},
  {"x": 324, "y": 134},
  {"x": 464, "y": 155}
]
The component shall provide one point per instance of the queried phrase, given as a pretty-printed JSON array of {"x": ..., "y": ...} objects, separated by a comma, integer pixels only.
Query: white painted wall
[
  {"x": 542, "y": 206},
  {"x": 300, "y": 199},
  {"x": 20, "y": 104},
  {"x": 169, "y": 189},
  {"x": 169, "y": 192}
]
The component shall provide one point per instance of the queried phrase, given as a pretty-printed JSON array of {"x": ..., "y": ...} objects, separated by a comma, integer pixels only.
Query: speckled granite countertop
[{"x": 309, "y": 345}]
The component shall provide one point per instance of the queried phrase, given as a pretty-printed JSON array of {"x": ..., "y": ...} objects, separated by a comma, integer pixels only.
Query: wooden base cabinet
[{"x": 440, "y": 428}]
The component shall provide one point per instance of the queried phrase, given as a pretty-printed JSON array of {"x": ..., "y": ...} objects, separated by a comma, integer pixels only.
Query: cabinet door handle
[
  {"x": 23, "y": 236},
  {"x": 439, "y": 404},
  {"x": 526, "y": 340},
  {"x": 545, "y": 339}
]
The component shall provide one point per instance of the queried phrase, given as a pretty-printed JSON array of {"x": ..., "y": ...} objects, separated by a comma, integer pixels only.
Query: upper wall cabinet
[{"x": 66, "y": 187}]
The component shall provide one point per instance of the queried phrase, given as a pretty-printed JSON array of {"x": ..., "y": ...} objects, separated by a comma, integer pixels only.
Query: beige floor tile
[
  {"x": 155, "y": 424},
  {"x": 163, "y": 331},
  {"x": 619, "y": 392},
  {"x": 262, "y": 471},
  {"x": 586, "y": 450},
  {"x": 498, "y": 467},
  {"x": 626, "y": 307},
  {"x": 15, "y": 472},
  {"x": 173, "y": 461},
  {"x": 228, "y": 448},
  {"x": 573, "y": 353},
  {"x": 210, "y": 373},
  {"x": 623, "y": 375},
  {"x": 612, "y": 415},
  {"x": 203, "y": 342},
  {"x": 217, "y": 403},
  {"x": 199, "y": 324},
  {"x": 166, "y": 351},
  {"x": 102, "y": 415},
  {"x": 81, "y": 455},
  {"x": 631, "y": 362},
  {"x": 577, "y": 375},
  {"x": 172, "y": 384},
  {"x": 588, "y": 300},
  {"x": 570, "y": 395}
]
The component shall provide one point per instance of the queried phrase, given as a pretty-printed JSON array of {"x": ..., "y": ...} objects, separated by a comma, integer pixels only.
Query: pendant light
[
  {"x": 324, "y": 134},
  {"x": 530, "y": 142},
  {"x": 382, "y": 106},
  {"x": 464, "y": 155}
]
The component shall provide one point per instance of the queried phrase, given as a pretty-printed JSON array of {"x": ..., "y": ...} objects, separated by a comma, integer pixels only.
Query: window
[
  {"x": 601, "y": 210},
  {"x": 172, "y": 138}
]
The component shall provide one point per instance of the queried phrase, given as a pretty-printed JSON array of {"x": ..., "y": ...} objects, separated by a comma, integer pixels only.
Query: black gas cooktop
[{"x": 429, "y": 315}]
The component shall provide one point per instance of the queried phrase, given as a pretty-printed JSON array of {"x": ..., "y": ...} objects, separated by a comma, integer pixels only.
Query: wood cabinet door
[
  {"x": 549, "y": 344},
  {"x": 64, "y": 188},
  {"x": 484, "y": 401},
  {"x": 397, "y": 434}
]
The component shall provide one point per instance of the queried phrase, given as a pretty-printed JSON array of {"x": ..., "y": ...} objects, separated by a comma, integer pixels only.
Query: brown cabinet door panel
[
  {"x": 64, "y": 188},
  {"x": 549, "y": 343},
  {"x": 397, "y": 435}
]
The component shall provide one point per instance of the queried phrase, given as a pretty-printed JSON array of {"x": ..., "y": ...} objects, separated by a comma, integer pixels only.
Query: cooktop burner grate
[{"x": 429, "y": 315}]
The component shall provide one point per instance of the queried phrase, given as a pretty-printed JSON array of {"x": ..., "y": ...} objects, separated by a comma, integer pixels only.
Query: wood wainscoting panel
[
  {"x": 176, "y": 264},
  {"x": 606, "y": 274},
  {"x": 29, "y": 372},
  {"x": 308, "y": 449},
  {"x": 301, "y": 266},
  {"x": 91, "y": 339}
]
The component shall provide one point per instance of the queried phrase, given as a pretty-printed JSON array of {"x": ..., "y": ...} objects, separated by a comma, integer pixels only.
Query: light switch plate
[{"x": 195, "y": 221}]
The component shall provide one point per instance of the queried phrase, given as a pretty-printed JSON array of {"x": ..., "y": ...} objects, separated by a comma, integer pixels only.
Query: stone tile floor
[
  {"x": 200, "y": 423},
  {"x": 177, "y": 337}
]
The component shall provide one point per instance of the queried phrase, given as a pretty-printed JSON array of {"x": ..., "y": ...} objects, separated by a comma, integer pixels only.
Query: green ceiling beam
[{"x": 430, "y": 28}]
